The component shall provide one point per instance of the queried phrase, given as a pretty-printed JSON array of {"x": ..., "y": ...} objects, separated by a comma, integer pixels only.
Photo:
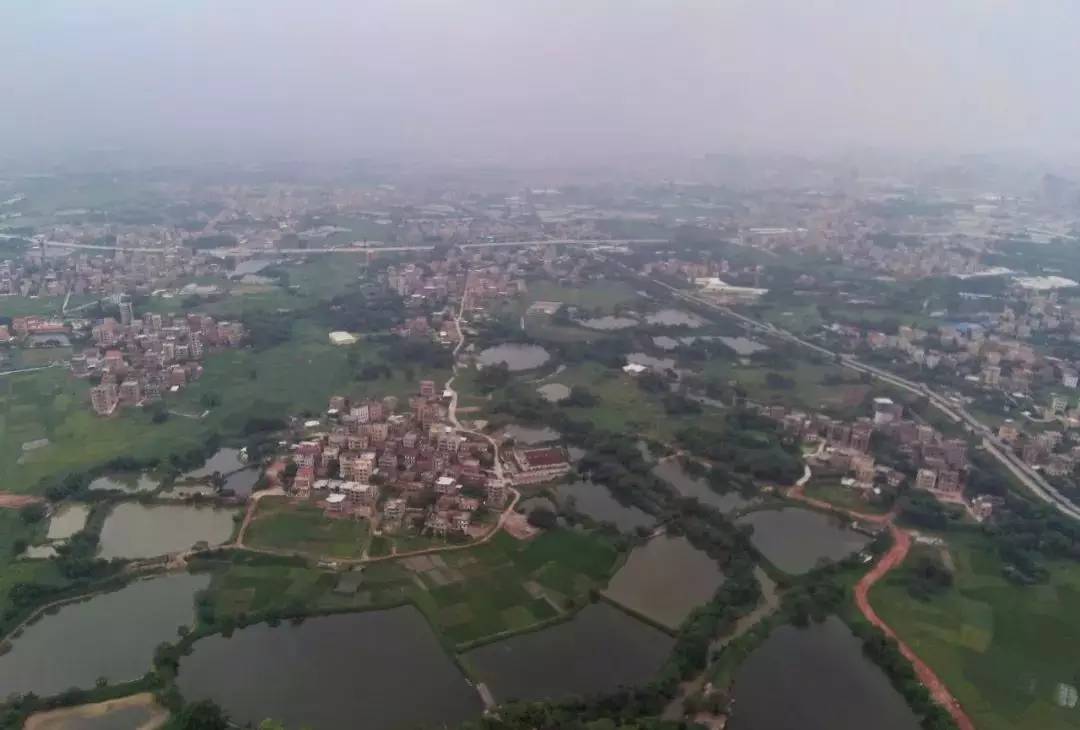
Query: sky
[{"x": 545, "y": 81}]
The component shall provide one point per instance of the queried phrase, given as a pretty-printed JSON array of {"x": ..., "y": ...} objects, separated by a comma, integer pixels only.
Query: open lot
[{"x": 1005, "y": 651}]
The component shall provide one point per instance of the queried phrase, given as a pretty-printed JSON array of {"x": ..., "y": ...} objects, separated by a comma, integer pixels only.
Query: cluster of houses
[
  {"x": 937, "y": 465},
  {"x": 407, "y": 469},
  {"x": 138, "y": 360}
]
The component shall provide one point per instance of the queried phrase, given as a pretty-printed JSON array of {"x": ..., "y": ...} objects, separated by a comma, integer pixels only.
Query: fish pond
[
  {"x": 596, "y": 501},
  {"x": 385, "y": 667},
  {"x": 599, "y": 650},
  {"x": 515, "y": 357},
  {"x": 135, "y": 530},
  {"x": 796, "y": 539},
  {"x": 674, "y": 473}
]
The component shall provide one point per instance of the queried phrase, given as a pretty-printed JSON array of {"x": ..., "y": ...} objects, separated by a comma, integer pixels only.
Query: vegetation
[{"x": 280, "y": 524}]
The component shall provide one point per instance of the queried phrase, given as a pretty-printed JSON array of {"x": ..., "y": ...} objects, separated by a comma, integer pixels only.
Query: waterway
[
  {"x": 795, "y": 539},
  {"x": 599, "y": 650},
  {"x": 815, "y": 678},
  {"x": 516, "y": 357},
  {"x": 134, "y": 530},
  {"x": 379, "y": 670},
  {"x": 665, "y": 579},
  {"x": 112, "y": 635}
]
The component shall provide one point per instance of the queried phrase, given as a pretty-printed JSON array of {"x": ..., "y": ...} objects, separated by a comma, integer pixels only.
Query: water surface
[
  {"x": 816, "y": 678},
  {"x": 554, "y": 392},
  {"x": 132, "y": 483},
  {"x": 795, "y": 539},
  {"x": 608, "y": 322},
  {"x": 675, "y": 318},
  {"x": 67, "y": 520},
  {"x": 225, "y": 460},
  {"x": 134, "y": 530},
  {"x": 597, "y": 651},
  {"x": 380, "y": 670},
  {"x": 516, "y": 357},
  {"x": 672, "y": 472},
  {"x": 656, "y": 363},
  {"x": 596, "y": 501},
  {"x": 112, "y": 635},
  {"x": 665, "y": 579}
]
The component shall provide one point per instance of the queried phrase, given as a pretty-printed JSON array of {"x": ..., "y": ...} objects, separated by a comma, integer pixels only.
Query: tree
[
  {"x": 543, "y": 518},
  {"x": 201, "y": 715},
  {"x": 32, "y": 513}
]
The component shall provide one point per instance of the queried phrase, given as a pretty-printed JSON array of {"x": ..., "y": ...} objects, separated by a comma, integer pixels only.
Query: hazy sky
[{"x": 544, "y": 80}]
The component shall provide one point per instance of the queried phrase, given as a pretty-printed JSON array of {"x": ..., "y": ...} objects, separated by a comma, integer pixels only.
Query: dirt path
[
  {"x": 937, "y": 688},
  {"x": 8, "y": 500},
  {"x": 152, "y": 714},
  {"x": 890, "y": 560}
]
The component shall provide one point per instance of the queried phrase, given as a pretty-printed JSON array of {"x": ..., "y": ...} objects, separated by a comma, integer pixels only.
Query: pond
[
  {"x": 225, "y": 460},
  {"x": 241, "y": 482},
  {"x": 129, "y": 482},
  {"x": 134, "y": 530},
  {"x": 599, "y": 650},
  {"x": 815, "y": 678},
  {"x": 112, "y": 635},
  {"x": 743, "y": 345},
  {"x": 675, "y": 318},
  {"x": 554, "y": 392},
  {"x": 656, "y": 363},
  {"x": 67, "y": 520},
  {"x": 673, "y": 472},
  {"x": 384, "y": 667},
  {"x": 665, "y": 579},
  {"x": 608, "y": 322},
  {"x": 665, "y": 343},
  {"x": 795, "y": 539},
  {"x": 531, "y": 434},
  {"x": 596, "y": 501},
  {"x": 516, "y": 357}
]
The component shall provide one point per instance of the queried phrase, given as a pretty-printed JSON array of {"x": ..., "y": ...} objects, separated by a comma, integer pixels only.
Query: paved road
[
  {"x": 954, "y": 411},
  {"x": 362, "y": 248}
]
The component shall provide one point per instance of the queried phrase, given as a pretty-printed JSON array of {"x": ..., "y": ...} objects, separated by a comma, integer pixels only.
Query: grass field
[
  {"x": 1002, "y": 649},
  {"x": 299, "y": 375},
  {"x": 12, "y": 569},
  {"x": 503, "y": 585},
  {"x": 809, "y": 390},
  {"x": 281, "y": 525}
]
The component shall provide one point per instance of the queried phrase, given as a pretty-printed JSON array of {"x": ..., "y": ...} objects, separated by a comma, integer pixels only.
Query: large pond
[
  {"x": 67, "y": 520},
  {"x": 132, "y": 483},
  {"x": 112, "y": 635},
  {"x": 608, "y": 323},
  {"x": 674, "y": 318},
  {"x": 241, "y": 482},
  {"x": 665, "y": 579},
  {"x": 554, "y": 392},
  {"x": 599, "y": 650},
  {"x": 795, "y": 539},
  {"x": 516, "y": 357},
  {"x": 224, "y": 461},
  {"x": 134, "y": 530},
  {"x": 816, "y": 678},
  {"x": 376, "y": 670},
  {"x": 656, "y": 363},
  {"x": 665, "y": 343},
  {"x": 596, "y": 501},
  {"x": 672, "y": 472},
  {"x": 531, "y": 434},
  {"x": 743, "y": 345}
]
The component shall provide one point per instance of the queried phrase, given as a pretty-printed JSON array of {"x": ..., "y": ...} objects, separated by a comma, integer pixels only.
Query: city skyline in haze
[{"x": 536, "y": 82}]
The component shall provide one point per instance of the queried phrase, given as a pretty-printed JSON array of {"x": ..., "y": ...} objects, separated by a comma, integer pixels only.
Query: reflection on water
[
  {"x": 599, "y": 650},
  {"x": 672, "y": 472},
  {"x": 379, "y": 670},
  {"x": 596, "y": 501},
  {"x": 816, "y": 678}
]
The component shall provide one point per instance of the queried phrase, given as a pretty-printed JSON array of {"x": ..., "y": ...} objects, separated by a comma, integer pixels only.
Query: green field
[
  {"x": 809, "y": 390},
  {"x": 14, "y": 570},
  {"x": 500, "y": 586},
  {"x": 299, "y": 375},
  {"x": 1002, "y": 649},
  {"x": 281, "y": 525}
]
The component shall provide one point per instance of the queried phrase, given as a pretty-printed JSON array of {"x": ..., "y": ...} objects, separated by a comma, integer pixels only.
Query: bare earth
[
  {"x": 83, "y": 716},
  {"x": 17, "y": 501}
]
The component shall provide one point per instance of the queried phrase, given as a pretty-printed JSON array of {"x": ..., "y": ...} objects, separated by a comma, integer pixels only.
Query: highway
[
  {"x": 952, "y": 410},
  {"x": 361, "y": 248}
]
